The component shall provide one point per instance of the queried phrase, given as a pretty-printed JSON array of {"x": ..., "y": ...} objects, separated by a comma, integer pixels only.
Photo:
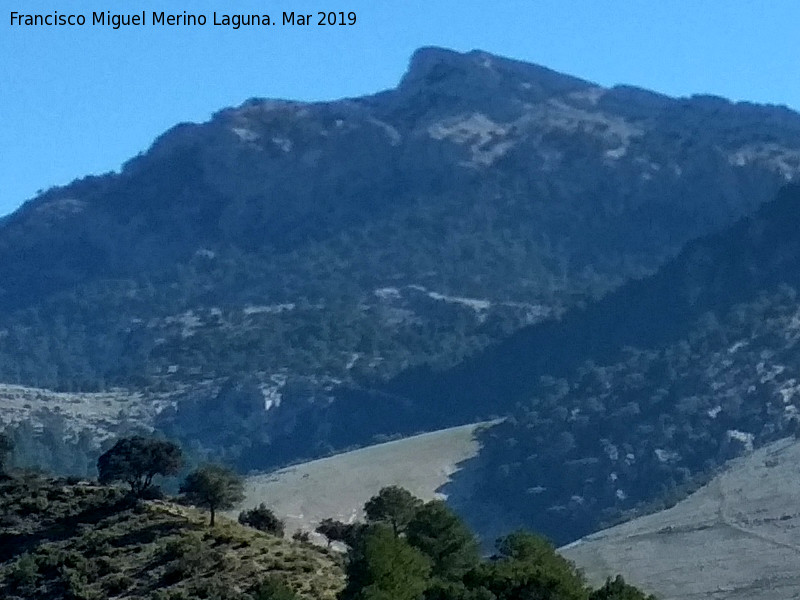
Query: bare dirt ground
[
  {"x": 338, "y": 486},
  {"x": 737, "y": 537}
]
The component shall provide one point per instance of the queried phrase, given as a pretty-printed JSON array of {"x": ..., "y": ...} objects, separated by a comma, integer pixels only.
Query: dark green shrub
[
  {"x": 118, "y": 584},
  {"x": 32, "y": 506},
  {"x": 182, "y": 546},
  {"x": 153, "y": 492},
  {"x": 263, "y": 519},
  {"x": 9, "y": 521},
  {"x": 301, "y": 536},
  {"x": 94, "y": 543},
  {"x": 273, "y": 588},
  {"x": 617, "y": 589},
  {"x": 213, "y": 589},
  {"x": 171, "y": 595},
  {"x": 188, "y": 556},
  {"x": 25, "y": 572},
  {"x": 104, "y": 565},
  {"x": 76, "y": 586}
]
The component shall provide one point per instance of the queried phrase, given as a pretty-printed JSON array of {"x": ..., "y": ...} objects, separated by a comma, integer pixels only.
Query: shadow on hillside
[{"x": 467, "y": 495}]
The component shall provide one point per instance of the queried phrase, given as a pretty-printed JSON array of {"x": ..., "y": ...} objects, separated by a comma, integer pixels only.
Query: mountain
[{"x": 285, "y": 250}]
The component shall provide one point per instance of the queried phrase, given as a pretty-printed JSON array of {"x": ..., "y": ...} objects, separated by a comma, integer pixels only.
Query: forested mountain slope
[
  {"x": 643, "y": 393},
  {"x": 354, "y": 238}
]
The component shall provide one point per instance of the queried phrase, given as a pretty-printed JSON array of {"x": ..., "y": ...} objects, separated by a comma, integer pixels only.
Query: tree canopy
[
  {"x": 393, "y": 505},
  {"x": 385, "y": 567},
  {"x": 528, "y": 566},
  {"x": 137, "y": 459},
  {"x": 214, "y": 487},
  {"x": 443, "y": 537}
]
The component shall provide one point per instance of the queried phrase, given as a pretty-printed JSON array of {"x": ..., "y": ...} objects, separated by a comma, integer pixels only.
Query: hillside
[
  {"x": 639, "y": 395},
  {"x": 83, "y": 541},
  {"x": 80, "y": 541},
  {"x": 337, "y": 487},
  {"x": 734, "y": 538},
  {"x": 755, "y": 256},
  {"x": 283, "y": 249}
]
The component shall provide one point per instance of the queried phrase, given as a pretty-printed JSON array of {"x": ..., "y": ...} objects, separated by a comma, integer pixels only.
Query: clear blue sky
[{"x": 77, "y": 101}]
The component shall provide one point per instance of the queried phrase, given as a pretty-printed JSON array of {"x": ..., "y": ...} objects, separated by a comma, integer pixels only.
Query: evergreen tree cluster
[{"x": 410, "y": 550}]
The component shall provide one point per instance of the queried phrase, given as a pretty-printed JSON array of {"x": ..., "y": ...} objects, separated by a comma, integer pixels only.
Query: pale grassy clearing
[{"x": 338, "y": 486}]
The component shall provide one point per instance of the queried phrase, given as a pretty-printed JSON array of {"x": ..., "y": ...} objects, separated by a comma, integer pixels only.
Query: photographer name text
[{"x": 183, "y": 19}]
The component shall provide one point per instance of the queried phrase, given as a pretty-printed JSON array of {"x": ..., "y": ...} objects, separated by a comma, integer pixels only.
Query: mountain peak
[{"x": 440, "y": 67}]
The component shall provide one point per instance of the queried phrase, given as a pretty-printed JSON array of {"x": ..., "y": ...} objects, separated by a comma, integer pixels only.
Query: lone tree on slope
[
  {"x": 137, "y": 459},
  {"x": 214, "y": 487}
]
